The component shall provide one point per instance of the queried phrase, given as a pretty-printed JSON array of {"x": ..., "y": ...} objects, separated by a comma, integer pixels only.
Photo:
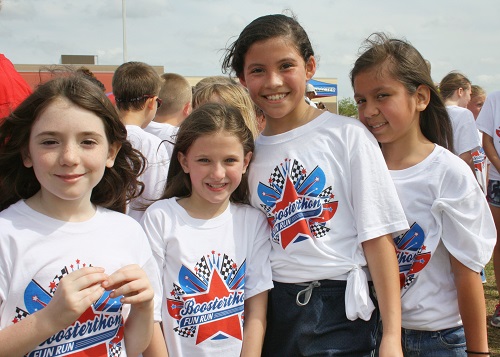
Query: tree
[{"x": 348, "y": 108}]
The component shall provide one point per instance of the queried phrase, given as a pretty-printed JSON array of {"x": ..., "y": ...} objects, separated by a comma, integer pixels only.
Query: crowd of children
[{"x": 127, "y": 231}]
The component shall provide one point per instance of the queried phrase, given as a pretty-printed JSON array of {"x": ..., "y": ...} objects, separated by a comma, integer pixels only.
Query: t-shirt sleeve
[
  {"x": 467, "y": 137},
  {"x": 467, "y": 228},
  {"x": 485, "y": 119},
  {"x": 376, "y": 205},
  {"x": 258, "y": 277}
]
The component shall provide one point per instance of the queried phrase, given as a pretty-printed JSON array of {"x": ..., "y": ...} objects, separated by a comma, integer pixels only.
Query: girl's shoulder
[
  {"x": 247, "y": 213},
  {"x": 166, "y": 204}
]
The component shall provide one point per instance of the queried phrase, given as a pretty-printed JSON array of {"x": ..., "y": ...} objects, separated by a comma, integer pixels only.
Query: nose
[
  {"x": 274, "y": 79},
  {"x": 218, "y": 172},
  {"x": 369, "y": 110},
  {"x": 69, "y": 155}
]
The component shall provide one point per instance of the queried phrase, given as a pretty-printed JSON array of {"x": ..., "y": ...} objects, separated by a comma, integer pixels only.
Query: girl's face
[
  {"x": 275, "y": 75},
  {"x": 386, "y": 107},
  {"x": 68, "y": 151},
  {"x": 215, "y": 164},
  {"x": 476, "y": 104}
]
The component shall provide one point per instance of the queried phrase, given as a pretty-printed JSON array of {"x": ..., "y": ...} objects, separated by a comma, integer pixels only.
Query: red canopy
[{"x": 13, "y": 88}]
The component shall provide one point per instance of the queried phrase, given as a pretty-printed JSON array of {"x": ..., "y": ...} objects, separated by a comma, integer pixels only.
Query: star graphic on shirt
[
  {"x": 230, "y": 325},
  {"x": 298, "y": 229}
]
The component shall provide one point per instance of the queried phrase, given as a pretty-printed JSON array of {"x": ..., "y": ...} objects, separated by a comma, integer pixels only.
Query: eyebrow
[{"x": 55, "y": 133}]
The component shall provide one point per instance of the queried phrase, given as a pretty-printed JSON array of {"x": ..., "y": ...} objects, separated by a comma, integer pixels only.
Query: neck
[
  {"x": 138, "y": 118},
  {"x": 406, "y": 152},
  {"x": 63, "y": 210},
  {"x": 172, "y": 119},
  {"x": 451, "y": 101},
  {"x": 202, "y": 211},
  {"x": 275, "y": 126}
]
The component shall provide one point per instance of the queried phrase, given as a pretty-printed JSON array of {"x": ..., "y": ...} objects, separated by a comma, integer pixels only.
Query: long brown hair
[
  {"x": 407, "y": 65},
  {"x": 207, "y": 119}
]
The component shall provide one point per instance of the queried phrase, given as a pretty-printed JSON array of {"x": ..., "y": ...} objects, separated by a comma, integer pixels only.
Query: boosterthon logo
[
  {"x": 297, "y": 203},
  {"x": 97, "y": 332},
  {"x": 412, "y": 255},
  {"x": 208, "y": 301}
]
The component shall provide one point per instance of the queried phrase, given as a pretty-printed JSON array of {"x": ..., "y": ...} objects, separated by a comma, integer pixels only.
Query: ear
[
  {"x": 114, "y": 148},
  {"x": 188, "y": 108},
  {"x": 183, "y": 162},
  {"x": 26, "y": 158},
  {"x": 423, "y": 96},
  {"x": 246, "y": 161},
  {"x": 310, "y": 67},
  {"x": 150, "y": 103}
]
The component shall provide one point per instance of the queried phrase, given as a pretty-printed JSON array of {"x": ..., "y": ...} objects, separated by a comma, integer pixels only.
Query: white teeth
[
  {"x": 377, "y": 125},
  {"x": 217, "y": 186},
  {"x": 276, "y": 96}
]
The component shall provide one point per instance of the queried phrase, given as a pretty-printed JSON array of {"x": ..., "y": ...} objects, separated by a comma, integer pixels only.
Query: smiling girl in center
[{"x": 322, "y": 182}]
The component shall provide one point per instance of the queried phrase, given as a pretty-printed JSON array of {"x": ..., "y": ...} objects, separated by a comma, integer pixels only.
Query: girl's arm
[
  {"x": 157, "y": 347},
  {"x": 380, "y": 255},
  {"x": 471, "y": 305},
  {"x": 467, "y": 157},
  {"x": 490, "y": 151},
  {"x": 74, "y": 295},
  {"x": 255, "y": 324},
  {"x": 132, "y": 282}
]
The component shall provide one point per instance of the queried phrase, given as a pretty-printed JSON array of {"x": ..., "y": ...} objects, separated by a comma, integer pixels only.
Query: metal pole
[{"x": 124, "y": 17}]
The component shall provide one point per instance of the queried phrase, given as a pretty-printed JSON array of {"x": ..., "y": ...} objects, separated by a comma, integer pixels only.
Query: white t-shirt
[
  {"x": 448, "y": 214},
  {"x": 465, "y": 136},
  {"x": 325, "y": 189},
  {"x": 37, "y": 251},
  {"x": 488, "y": 121},
  {"x": 166, "y": 132},
  {"x": 155, "y": 175},
  {"x": 208, "y": 268}
]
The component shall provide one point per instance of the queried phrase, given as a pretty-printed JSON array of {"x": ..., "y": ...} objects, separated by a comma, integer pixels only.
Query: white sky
[{"x": 187, "y": 36}]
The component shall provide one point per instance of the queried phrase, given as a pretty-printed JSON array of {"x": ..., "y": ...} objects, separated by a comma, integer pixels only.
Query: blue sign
[{"x": 324, "y": 89}]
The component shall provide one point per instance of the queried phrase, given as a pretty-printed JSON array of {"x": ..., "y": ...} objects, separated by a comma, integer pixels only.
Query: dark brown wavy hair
[{"x": 119, "y": 183}]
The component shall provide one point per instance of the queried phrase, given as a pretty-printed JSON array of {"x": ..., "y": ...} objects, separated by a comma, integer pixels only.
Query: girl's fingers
[
  {"x": 82, "y": 278},
  {"x": 132, "y": 288},
  {"x": 123, "y": 275}
]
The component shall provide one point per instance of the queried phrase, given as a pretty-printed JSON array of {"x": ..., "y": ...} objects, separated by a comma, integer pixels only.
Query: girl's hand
[
  {"x": 131, "y": 282},
  {"x": 74, "y": 295}
]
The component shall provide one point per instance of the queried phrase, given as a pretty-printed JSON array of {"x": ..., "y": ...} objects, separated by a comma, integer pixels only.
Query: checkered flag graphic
[
  {"x": 202, "y": 269},
  {"x": 57, "y": 279},
  {"x": 277, "y": 179},
  {"x": 20, "y": 314},
  {"x": 326, "y": 193},
  {"x": 408, "y": 281},
  {"x": 186, "y": 331},
  {"x": 178, "y": 292},
  {"x": 115, "y": 350},
  {"x": 297, "y": 172},
  {"x": 226, "y": 268},
  {"x": 319, "y": 230}
]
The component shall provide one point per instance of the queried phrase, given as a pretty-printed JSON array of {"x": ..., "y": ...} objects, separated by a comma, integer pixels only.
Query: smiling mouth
[
  {"x": 276, "y": 96},
  {"x": 376, "y": 126},
  {"x": 220, "y": 185},
  {"x": 69, "y": 177}
]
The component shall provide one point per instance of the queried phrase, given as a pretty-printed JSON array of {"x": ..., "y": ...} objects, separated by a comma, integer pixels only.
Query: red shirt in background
[{"x": 13, "y": 88}]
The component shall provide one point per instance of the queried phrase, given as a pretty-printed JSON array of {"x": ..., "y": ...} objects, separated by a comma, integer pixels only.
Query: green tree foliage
[{"x": 348, "y": 107}]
